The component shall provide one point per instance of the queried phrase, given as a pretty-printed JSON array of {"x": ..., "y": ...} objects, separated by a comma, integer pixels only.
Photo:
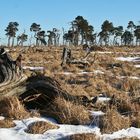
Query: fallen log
[
  {"x": 36, "y": 91},
  {"x": 80, "y": 62}
]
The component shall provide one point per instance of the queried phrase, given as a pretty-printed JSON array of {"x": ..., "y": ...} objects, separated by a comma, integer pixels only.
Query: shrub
[
  {"x": 6, "y": 123},
  {"x": 67, "y": 112},
  {"x": 12, "y": 108},
  {"x": 84, "y": 136},
  {"x": 113, "y": 121},
  {"x": 40, "y": 127},
  {"x": 135, "y": 120}
]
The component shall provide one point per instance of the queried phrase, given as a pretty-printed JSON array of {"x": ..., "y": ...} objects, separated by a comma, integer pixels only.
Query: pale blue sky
[{"x": 58, "y": 13}]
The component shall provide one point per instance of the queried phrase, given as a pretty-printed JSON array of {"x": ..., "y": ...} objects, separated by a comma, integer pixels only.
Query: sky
[{"x": 59, "y": 13}]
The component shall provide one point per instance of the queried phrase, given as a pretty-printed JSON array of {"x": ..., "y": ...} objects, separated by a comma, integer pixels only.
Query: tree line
[{"x": 79, "y": 33}]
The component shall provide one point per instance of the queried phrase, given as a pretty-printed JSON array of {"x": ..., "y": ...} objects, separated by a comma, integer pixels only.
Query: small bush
[
  {"x": 84, "y": 136},
  {"x": 125, "y": 106},
  {"x": 12, "y": 108},
  {"x": 40, "y": 127},
  {"x": 136, "y": 120},
  {"x": 113, "y": 121},
  {"x": 6, "y": 123},
  {"x": 67, "y": 112}
]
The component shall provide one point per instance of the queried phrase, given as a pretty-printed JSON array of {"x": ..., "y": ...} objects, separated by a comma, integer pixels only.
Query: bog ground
[{"x": 96, "y": 99}]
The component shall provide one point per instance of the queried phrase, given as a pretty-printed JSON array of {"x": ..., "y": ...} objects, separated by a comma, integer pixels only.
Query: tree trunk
[
  {"x": 13, "y": 41},
  {"x": 82, "y": 39},
  {"x": 36, "y": 42},
  {"x": 55, "y": 41},
  {"x": 9, "y": 41},
  {"x": 22, "y": 43},
  {"x": 114, "y": 41}
]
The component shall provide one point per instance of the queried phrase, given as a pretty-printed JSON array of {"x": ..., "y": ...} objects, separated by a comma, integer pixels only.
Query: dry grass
[
  {"x": 126, "y": 138},
  {"x": 132, "y": 86},
  {"x": 67, "y": 112},
  {"x": 113, "y": 121},
  {"x": 40, "y": 127},
  {"x": 12, "y": 108},
  {"x": 135, "y": 120},
  {"x": 84, "y": 136},
  {"x": 124, "y": 105},
  {"x": 6, "y": 123},
  {"x": 108, "y": 83}
]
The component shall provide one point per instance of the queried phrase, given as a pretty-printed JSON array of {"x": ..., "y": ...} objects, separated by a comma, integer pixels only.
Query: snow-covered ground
[
  {"x": 129, "y": 77},
  {"x": 64, "y": 130},
  {"x": 18, "y": 133},
  {"x": 129, "y": 59},
  {"x": 82, "y": 72},
  {"x": 103, "y": 99},
  {"x": 111, "y": 52},
  {"x": 33, "y": 68},
  {"x": 137, "y": 66},
  {"x": 129, "y": 132}
]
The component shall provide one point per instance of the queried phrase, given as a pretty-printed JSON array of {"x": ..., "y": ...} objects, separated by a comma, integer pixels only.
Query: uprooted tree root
[{"x": 40, "y": 91}]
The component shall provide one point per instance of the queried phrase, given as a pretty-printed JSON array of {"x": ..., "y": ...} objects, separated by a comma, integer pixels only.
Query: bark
[
  {"x": 9, "y": 41},
  {"x": 13, "y": 41},
  {"x": 7, "y": 66}
]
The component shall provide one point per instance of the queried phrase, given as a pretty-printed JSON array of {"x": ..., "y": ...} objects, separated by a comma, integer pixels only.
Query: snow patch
[
  {"x": 129, "y": 59},
  {"x": 97, "y": 113},
  {"x": 18, "y": 133},
  {"x": 2, "y": 118},
  {"x": 107, "y": 52},
  {"x": 101, "y": 52},
  {"x": 130, "y": 77},
  {"x": 137, "y": 66},
  {"x": 83, "y": 72},
  {"x": 33, "y": 68},
  {"x": 67, "y": 130},
  {"x": 103, "y": 99},
  {"x": 130, "y": 132},
  {"x": 98, "y": 71}
]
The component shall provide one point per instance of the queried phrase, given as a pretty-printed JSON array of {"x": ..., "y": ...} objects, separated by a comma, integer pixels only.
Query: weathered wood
[
  {"x": 7, "y": 68},
  {"x": 67, "y": 58},
  {"x": 9, "y": 76},
  {"x": 80, "y": 62}
]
